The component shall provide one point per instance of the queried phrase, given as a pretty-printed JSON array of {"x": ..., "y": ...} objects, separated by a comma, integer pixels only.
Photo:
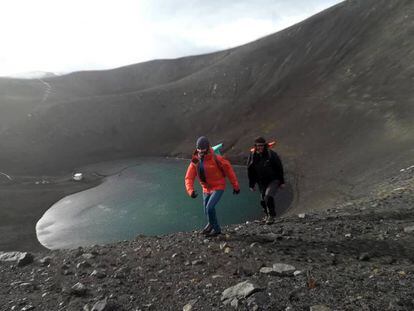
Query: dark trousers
[{"x": 267, "y": 195}]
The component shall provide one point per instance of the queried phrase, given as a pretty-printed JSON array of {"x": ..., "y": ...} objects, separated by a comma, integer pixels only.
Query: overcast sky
[{"x": 69, "y": 35}]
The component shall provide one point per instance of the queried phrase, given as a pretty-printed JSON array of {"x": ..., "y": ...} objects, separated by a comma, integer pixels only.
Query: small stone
[
  {"x": 88, "y": 256},
  {"x": 253, "y": 244},
  {"x": 319, "y": 308},
  {"x": 387, "y": 260},
  {"x": 364, "y": 257},
  {"x": 266, "y": 270},
  {"x": 45, "y": 261},
  {"x": 100, "y": 305},
  {"x": 27, "y": 286},
  {"x": 302, "y": 215},
  {"x": 216, "y": 276},
  {"x": 283, "y": 269},
  {"x": 235, "y": 303},
  {"x": 269, "y": 237},
  {"x": 189, "y": 306},
  {"x": 197, "y": 262},
  {"x": 28, "y": 307},
  {"x": 83, "y": 265},
  {"x": 223, "y": 245},
  {"x": 174, "y": 255},
  {"x": 348, "y": 235},
  {"x": 98, "y": 274},
  {"x": 78, "y": 289},
  {"x": 79, "y": 251},
  {"x": 67, "y": 272},
  {"x": 227, "y": 250},
  {"x": 297, "y": 272},
  {"x": 409, "y": 229}
]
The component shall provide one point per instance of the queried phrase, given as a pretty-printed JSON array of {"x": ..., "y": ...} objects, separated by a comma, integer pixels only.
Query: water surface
[{"x": 148, "y": 198}]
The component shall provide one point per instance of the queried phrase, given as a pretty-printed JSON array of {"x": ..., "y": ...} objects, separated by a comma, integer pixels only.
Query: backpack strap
[
  {"x": 195, "y": 161},
  {"x": 219, "y": 165}
]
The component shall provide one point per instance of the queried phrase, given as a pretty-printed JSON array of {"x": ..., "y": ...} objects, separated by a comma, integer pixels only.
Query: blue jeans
[{"x": 210, "y": 201}]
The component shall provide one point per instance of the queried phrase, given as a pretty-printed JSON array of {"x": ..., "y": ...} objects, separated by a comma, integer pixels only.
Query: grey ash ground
[{"x": 359, "y": 256}]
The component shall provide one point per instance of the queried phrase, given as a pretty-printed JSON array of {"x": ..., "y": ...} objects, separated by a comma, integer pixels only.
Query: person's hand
[
  {"x": 236, "y": 191},
  {"x": 282, "y": 186},
  {"x": 252, "y": 188},
  {"x": 193, "y": 194}
]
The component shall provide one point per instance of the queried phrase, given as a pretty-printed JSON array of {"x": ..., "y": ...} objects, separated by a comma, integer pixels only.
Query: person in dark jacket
[{"x": 264, "y": 168}]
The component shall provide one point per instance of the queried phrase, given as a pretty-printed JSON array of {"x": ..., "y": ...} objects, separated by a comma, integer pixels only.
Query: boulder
[
  {"x": 20, "y": 258},
  {"x": 238, "y": 291}
]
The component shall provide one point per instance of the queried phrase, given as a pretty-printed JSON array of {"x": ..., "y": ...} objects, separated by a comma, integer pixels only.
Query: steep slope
[{"x": 336, "y": 90}]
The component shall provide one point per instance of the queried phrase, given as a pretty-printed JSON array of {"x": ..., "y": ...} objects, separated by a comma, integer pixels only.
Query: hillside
[
  {"x": 358, "y": 257},
  {"x": 335, "y": 90}
]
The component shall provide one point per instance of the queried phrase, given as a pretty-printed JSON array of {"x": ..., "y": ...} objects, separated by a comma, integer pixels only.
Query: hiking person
[
  {"x": 211, "y": 170},
  {"x": 265, "y": 168}
]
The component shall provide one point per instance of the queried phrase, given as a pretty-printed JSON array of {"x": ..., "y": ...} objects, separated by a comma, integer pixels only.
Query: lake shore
[{"x": 25, "y": 199}]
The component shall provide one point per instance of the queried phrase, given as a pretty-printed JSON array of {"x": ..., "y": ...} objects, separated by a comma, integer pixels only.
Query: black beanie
[
  {"x": 260, "y": 140},
  {"x": 202, "y": 143}
]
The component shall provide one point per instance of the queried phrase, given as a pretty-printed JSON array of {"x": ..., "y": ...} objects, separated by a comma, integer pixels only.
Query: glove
[
  {"x": 236, "y": 191},
  {"x": 193, "y": 194}
]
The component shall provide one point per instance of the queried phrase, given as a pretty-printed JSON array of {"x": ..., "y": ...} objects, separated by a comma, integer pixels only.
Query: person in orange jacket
[{"x": 211, "y": 170}]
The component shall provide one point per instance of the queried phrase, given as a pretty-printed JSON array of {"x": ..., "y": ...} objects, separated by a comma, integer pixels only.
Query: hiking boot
[
  {"x": 207, "y": 229},
  {"x": 213, "y": 233},
  {"x": 270, "y": 220}
]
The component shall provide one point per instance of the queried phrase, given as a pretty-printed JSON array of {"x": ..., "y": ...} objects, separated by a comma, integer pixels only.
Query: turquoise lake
[{"x": 147, "y": 198}]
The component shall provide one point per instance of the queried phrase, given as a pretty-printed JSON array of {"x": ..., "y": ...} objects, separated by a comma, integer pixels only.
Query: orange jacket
[{"x": 214, "y": 175}]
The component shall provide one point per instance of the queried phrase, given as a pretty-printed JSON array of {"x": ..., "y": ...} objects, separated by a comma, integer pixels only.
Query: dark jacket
[{"x": 264, "y": 168}]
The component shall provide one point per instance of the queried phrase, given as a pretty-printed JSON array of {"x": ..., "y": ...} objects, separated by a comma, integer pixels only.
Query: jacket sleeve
[
  {"x": 190, "y": 177},
  {"x": 277, "y": 164},
  {"x": 228, "y": 170},
  {"x": 250, "y": 172}
]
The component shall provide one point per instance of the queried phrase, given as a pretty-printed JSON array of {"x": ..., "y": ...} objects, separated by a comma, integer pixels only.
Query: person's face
[
  {"x": 260, "y": 148},
  {"x": 202, "y": 152}
]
